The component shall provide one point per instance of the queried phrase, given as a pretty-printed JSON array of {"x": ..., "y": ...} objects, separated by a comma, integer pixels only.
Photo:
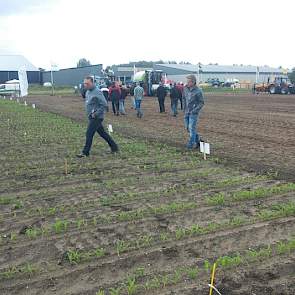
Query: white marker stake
[
  {"x": 25, "y": 103},
  {"x": 33, "y": 106},
  {"x": 205, "y": 149},
  {"x": 110, "y": 128},
  {"x": 10, "y": 98}
]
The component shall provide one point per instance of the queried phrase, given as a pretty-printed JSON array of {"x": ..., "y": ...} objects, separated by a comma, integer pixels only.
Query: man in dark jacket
[
  {"x": 161, "y": 94},
  {"x": 193, "y": 102},
  {"x": 95, "y": 105},
  {"x": 114, "y": 94},
  {"x": 180, "y": 87},
  {"x": 123, "y": 96},
  {"x": 175, "y": 95}
]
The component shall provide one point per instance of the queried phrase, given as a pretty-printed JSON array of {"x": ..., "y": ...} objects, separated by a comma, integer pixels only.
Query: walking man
[
  {"x": 180, "y": 87},
  {"x": 174, "y": 96},
  {"x": 95, "y": 105},
  {"x": 161, "y": 94},
  {"x": 138, "y": 96},
  {"x": 122, "y": 99},
  {"x": 193, "y": 102},
  {"x": 115, "y": 94}
]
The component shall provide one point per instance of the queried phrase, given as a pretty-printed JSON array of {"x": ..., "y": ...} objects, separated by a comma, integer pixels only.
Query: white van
[{"x": 10, "y": 88}]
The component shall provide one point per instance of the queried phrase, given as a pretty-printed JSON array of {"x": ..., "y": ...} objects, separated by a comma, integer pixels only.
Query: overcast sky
[{"x": 256, "y": 32}]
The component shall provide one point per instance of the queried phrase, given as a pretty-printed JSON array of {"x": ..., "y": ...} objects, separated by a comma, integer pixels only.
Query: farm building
[
  {"x": 247, "y": 74},
  {"x": 10, "y": 64},
  {"x": 71, "y": 76}
]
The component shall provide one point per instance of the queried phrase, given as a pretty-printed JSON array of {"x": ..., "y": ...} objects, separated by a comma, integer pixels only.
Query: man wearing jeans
[
  {"x": 138, "y": 96},
  {"x": 95, "y": 105},
  {"x": 193, "y": 102}
]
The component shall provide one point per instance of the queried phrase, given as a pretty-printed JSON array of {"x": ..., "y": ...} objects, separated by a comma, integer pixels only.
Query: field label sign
[
  {"x": 205, "y": 148},
  {"x": 110, "y": 128}
]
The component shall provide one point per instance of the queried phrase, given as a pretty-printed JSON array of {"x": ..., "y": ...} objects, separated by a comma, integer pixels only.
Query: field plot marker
[
  {"x": 33, "y": 106},
  {"x": 214, "y": 288},
  {"x": 25, "y": 103},
  {"x": 66, "y": 167},
  {"x": 212, "y": 279},
  {"x": 110, "y": 128},
  {"x": 205, "y": 149}
]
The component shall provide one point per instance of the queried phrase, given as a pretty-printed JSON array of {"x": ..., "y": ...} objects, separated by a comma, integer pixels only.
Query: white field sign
[
  {"x": 110, "y": 128},
  {"x": 205, "y": 149}
]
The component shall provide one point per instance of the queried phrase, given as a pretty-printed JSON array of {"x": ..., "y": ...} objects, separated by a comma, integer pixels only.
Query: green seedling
[
  {"x": 192, "y": 272},
  {"x": 121, "y": 246},
  {"x": 32, "y": 233},
  {"x": 74, "y": 256},
  {"x": 60, "y": 226},
  {"x": 99, "y": 252},
  {"x": 131, "y": 286}
]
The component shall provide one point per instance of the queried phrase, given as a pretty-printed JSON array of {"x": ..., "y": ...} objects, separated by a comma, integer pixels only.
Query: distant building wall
[
  {"x": 242, "y": 77},
  {"x": 71, "y": 76},
  {"x": 33, "y": 77}
]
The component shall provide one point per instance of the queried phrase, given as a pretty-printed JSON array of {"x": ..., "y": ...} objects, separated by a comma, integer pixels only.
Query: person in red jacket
[
  {"x": 180, "y": 87},
  {"x": 114, "y": 95}
]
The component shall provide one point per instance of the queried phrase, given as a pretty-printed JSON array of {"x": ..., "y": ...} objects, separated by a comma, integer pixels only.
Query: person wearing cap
[{"x": 193, "y": 102}]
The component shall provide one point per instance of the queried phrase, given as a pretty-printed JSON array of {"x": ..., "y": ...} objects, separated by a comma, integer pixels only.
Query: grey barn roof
[
  {"x": 223, "y": 69},
  {"x": 15, "y": 62}
]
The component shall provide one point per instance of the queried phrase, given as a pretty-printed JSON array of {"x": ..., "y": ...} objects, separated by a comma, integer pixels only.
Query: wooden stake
[
  {"x": 66, "y": 167},
  {"x": 212, "y": 278}
]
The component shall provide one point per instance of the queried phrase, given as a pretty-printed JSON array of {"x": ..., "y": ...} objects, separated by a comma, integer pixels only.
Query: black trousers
[
  {"x": 95, "y": 125},
  {"x": 181, "y": 105},
  {"x": 161, "y": 104},
  {"x": 115, "y": 106}
]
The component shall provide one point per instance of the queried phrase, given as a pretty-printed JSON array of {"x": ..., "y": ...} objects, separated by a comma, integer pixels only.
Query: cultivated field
[{"x": 152, "y": 219}]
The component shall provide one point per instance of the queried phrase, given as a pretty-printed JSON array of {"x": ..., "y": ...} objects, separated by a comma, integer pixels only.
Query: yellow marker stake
[{"x": 212, "y": 278}]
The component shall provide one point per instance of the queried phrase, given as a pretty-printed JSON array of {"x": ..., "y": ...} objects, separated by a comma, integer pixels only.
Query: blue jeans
[
  {"x": 174, "y": 103},
  {"x": 138, "y": 108},
  {"x": 190, "y": 122},
  {"x": 121, "y": 107}
]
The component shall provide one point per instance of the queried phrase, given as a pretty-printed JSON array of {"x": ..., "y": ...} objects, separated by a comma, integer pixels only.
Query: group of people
[
  {"x": 176, "y": 94},
  {"x": 96, "y": 104}
]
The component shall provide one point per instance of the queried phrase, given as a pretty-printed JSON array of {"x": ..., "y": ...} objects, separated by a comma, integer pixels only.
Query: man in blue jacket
[
  {"x": 193, "y": 102},
  {"x": 95, "y": 105}
]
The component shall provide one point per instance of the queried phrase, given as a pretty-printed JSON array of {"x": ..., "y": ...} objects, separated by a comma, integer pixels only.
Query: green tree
[{"x": 83, "y": 62}]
